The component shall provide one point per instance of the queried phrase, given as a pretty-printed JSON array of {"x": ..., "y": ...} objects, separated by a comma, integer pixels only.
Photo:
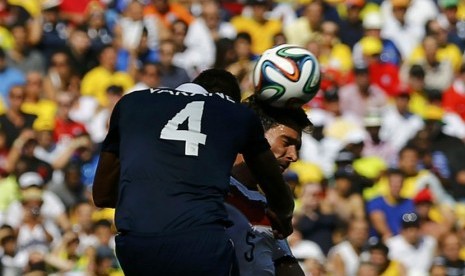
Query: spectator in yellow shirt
[
  {"x": 333, "y": 53},
  {"x": 446, "y": 51},
  {"x": 261, "y": 29},
  {"x": 96, "y": 81},
  {"x": 301, "y": 31}
]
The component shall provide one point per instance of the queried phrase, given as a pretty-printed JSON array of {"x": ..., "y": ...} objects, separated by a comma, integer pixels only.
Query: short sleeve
[
  {"x": 111, "y": 141},
  {"x": 374, "y": 205},
  {"x": 255, "y": 141}
]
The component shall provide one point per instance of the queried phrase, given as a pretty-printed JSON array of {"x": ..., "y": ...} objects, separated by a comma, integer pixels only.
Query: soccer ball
[{"x": 286, "y": 76}]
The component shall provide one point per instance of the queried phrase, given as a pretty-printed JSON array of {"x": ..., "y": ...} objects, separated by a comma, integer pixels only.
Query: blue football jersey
[{"x": 176, "y": 149}]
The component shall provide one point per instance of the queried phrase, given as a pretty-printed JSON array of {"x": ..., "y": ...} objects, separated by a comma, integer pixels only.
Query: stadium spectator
[
  {"x": 55, "y": 31},
  {"x": 438, "y": 73},
  {"x": 211, "y": 17},
  {"x": 9, "y": 77},
  {"x": 449, "y": 150},
  {"x": 149, "y": 77},
  {"x": 35, "y": 101},
  {"x": 454, "y": 96},
  {"x": 315, "y": 220},
  {"x": 97, "y": 29},
  {"x": 317, "y": 148},
  {"x": 406, "y": 18},
  {"x": 398, "y": 123},
  {"x": 347, "y": 204},
  {"x": 304, "y": 250},
  {"x": 170, "y": 74},
  {"x": 60, "y": 76},
  {"x": 449, "y": 256},
  {"x": 130, "y": 28},
  {"x": 98, "y": 127},
  {"x": 372, "y": 25},
  {"x": 414, "y": 250},
  {"x": 81, "y": 56},
  {"x": 261, "y": 29},
  {"x": 11, "y": 262},
  {"x": 22, "y": 55},
  {"x": 450, "y": 17},
  {"x": 244, "y": 63},
  {"x": 225, "y": 53},
  {"x": 344, "y": 258},
  {"x": 361, "y": 96},
  {"x": 385, "y": 212},
  {"x": 96, "y": 81},
  {"x": 51, "y": 207},
  {"x": 305, "y": 27},
  {"x": 374, "y": 144},
  {"x": 14, "y": 121},
  {"x": 379, "y": 256},
  {"x": 446, "y": 50},
  {"x": 71, "y": 190},
  {"x": 65, "y": 128},
  {"x": 168, "y": 12},
  {"x": 351, "y": 27},
  {"x": 333, "y": 53},
  {"x": 416, "y": 178},
  {"x": 65, "y": 256}
]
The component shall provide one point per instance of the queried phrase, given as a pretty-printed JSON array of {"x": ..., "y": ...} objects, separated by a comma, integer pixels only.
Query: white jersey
[{"x": 255, "y": 246}]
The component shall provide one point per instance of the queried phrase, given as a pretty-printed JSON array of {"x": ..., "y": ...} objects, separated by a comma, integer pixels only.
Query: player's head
[
  {"x": 219, "y": 81},
  {"x": 283, "y": 129},
  {"x": 271, "y": 117}
]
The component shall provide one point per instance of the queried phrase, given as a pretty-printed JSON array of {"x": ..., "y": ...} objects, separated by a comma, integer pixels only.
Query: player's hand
[{"x": 282, "y": 225}]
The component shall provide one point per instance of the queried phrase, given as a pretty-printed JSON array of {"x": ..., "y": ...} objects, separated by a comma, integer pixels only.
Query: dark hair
[
  {"x": 219, "y": 81},
  {"x": 223, "y": 46},
  {"x": 417, "y": 71},
  {"x": 379, "y": 245},
  {"x": 395, "y": 171},
  {"x": 272, "y": 116},
  {"x": 101, "y": 223},
  {"x": 433, "y": 94},
  {"x": 115, "y": 90},
  {"x": 244, "y": 35},
  {"x": 407, "y": 148}
]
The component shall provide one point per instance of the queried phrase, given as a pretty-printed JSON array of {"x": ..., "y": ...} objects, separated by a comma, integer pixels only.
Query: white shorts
[{"x": 255, "y": 246}]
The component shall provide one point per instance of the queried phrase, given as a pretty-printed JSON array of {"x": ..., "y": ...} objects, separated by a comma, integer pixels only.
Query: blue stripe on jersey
[{"x": 249, "y": 194}]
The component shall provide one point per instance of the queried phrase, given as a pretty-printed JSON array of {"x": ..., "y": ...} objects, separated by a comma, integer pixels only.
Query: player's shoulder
[{"x": 139, "y": 95}]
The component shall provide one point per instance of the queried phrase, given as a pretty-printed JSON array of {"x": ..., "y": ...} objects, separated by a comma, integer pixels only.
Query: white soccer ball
[{"x": 286, "y": 76}]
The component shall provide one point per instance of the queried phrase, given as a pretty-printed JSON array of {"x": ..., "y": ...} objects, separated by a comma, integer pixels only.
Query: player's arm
[
  {"x": 378, "y": 219},
  {"x": 105, "y": 188},
  {"x": 266, "y": 170}
]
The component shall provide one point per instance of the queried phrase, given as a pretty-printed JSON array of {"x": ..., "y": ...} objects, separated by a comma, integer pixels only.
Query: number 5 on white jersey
[{"x": 192, "y": 136}]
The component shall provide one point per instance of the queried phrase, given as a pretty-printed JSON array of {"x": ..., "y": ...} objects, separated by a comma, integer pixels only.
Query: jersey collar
[{"x": 192, "y": 88}]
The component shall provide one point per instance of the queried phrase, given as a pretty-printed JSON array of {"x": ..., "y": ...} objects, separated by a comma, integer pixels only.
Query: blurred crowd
[{"x": 380, "y": 187}]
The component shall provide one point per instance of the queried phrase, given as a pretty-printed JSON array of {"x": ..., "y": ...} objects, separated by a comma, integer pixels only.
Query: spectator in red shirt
[
  {"x": 65, "y": 127},
  {"x": 385, "y": 75},
  {"x": 453, "y": 98}
]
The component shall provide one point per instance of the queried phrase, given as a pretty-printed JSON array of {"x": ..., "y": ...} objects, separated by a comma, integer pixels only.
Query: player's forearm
[
  {"x": 105, "y": 188},
  {"x": 380, "y": 225}
]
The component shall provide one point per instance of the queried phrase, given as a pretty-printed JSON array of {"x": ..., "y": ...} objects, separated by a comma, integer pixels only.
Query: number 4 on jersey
[{"x": 192, "y": 136}]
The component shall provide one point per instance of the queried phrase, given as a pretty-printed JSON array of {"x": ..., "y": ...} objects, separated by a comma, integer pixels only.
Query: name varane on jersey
[{"x": 187, "y": 93}]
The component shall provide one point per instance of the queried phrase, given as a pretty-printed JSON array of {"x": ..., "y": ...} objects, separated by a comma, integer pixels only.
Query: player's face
[{"x": 285, "y": 144}]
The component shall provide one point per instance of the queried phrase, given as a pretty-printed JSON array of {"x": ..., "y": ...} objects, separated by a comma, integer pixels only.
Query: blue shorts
[{"x": 203, "y": 251}]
